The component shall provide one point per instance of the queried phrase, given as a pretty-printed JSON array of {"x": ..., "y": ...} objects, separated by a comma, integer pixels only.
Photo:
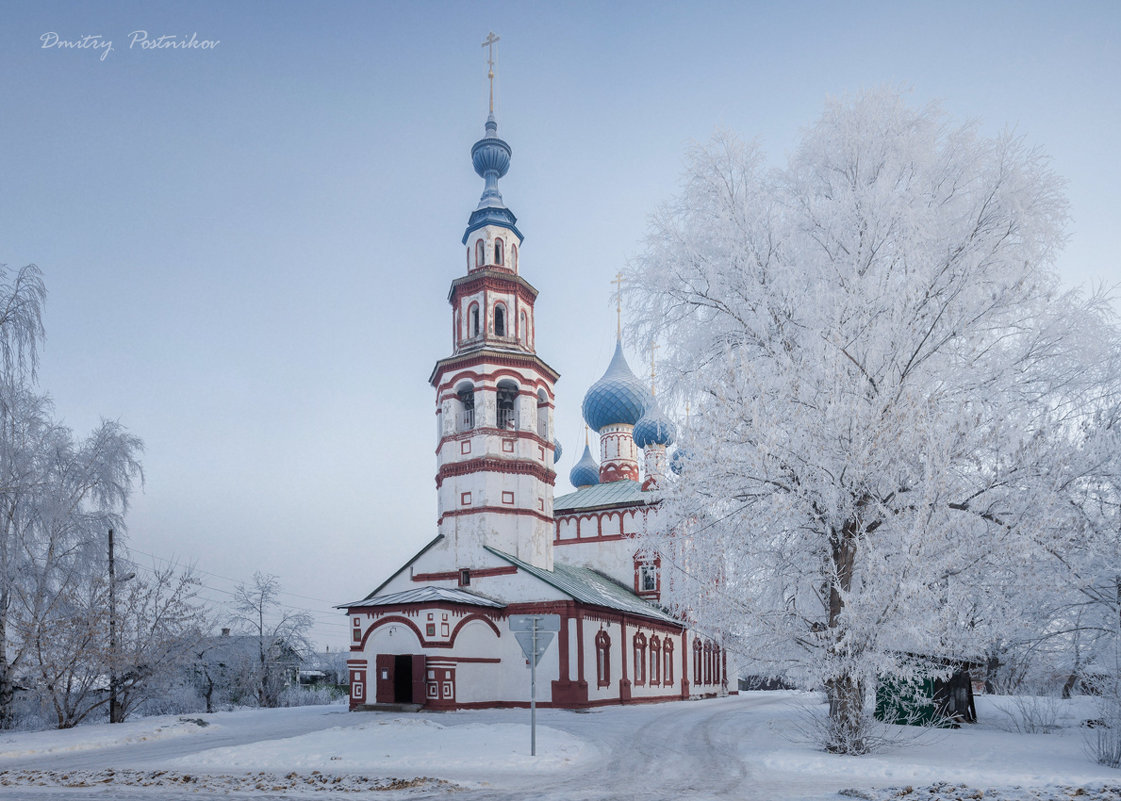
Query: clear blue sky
[{"x": 248, "y": 249}]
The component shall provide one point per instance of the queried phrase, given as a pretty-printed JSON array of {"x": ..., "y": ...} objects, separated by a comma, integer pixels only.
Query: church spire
[{"x": 491, "y": 158}]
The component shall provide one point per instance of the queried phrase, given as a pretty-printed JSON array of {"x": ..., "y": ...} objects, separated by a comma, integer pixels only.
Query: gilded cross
[
  {"x": 489, "y": 45},
  {"x": 653, "y": 373}
]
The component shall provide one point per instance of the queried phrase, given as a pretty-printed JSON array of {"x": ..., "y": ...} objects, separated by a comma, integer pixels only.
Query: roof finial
[
  {"x": 586, "y": 435},
  {"x": 618, "y": 306},
  {"x": 653, "y": 373},
  {"x": 489, "y": 45}
]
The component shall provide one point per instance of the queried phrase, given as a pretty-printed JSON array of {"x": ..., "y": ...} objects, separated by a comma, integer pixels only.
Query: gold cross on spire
[
  {"x": 618, "y": 305},
  {"x": 653, "y": 373},
  {"x": 489, "y": 45}
]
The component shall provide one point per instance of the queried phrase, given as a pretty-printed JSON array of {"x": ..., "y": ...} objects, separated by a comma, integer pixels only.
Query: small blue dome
[
  {"x": 557, "y": 451},
  {"x": 491, "y": 158},
  {"x": 616, "y": 398},
  {"x": 679, "y": 461},
  {"x": 586, "y": 471},
  {"x": 654, "y": 428}
]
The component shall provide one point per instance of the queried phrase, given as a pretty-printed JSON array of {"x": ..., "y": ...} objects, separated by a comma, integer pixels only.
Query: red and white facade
[{"x": 437, "y": 633}]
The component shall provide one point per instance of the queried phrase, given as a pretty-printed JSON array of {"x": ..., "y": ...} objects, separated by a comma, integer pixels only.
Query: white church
[{"x": 437, "y": 633}]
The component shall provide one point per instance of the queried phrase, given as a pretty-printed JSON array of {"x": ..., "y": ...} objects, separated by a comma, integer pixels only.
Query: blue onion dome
[
  {"x": 654, "y": 428},
  {"x": 557, "y": 451},
  {"x": 586, "y": 471},
  {"x": 616, "y": 398},
  {"x": 491, "y": 158},
  {"x": 679, "y": 461}
]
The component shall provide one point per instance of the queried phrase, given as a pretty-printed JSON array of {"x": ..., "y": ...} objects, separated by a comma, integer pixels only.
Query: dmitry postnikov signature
[{"x": 137, "y": 40}]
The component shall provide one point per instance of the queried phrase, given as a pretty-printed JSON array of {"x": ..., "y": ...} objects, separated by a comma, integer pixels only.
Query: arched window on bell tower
[
  {"x": 465, "y": 392},
  {"x": 542, "y": 414},
  {"x": 523, "y": 329},
  {"x": 499, "y": 320},
  {"x": 507, "y": 398},
  {"x": 499, "y": 252},
  {"x": 480, "y": 253},
  {"x": 514, "y": 257},
  {"x": 473, "y": 320}
]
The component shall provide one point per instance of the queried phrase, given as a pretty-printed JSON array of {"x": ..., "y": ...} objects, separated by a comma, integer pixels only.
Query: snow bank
[
  {"x": 86, "y": 738},
  {"x": 413, "y": 745}
]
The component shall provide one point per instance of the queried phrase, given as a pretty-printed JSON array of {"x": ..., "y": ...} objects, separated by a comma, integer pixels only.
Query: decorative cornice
[
  {"x": 495, "y": 357},
  {"x": 502, "y": 510},
  {"x": 490, "y": 278},
  {"x": 495, "y": 465}
]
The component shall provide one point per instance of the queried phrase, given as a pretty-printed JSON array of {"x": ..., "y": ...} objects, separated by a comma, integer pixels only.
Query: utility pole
[{"x": 115, "y": 715}]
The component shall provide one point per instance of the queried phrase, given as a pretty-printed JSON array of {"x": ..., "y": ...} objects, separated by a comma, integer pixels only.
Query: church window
[
  {"x": 430, "y": 630},
  {"x": 603, "y": 659},
  {"x": 647, "y": 577},
  {"x": 542, "y": 416},
  {"x": 667, "y": 659},
  {"x": 523, "y": 331},
  {"x": 708, "y": 663},
  {"x": 498, "y": 250},
  {"x": 514, "y": 257},
  {"x": 499, "y": 320},
  {"x": 655, "y": 658},
  {"x": 466, "y": 394},
  {"x": 473, "y": 315},
  {"x": 715, "y": 664},
  {"x": 465, "y": 577},
  {"x": 507, "y": 395},
  {"x": 639, "y": 658},
  {"x": 480, "y": 253},
  {"x": 697, "y": 672}
]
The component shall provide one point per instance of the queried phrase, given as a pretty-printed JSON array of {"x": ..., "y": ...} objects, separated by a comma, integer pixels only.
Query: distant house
[{"x": 229, "y": 669}]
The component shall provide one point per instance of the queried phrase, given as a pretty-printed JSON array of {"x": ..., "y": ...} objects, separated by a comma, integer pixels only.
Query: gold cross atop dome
[{"x": 489, "y": 45}]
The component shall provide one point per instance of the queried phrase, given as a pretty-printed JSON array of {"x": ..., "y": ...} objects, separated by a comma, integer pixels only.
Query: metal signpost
[{"x": 534, "y": 633}]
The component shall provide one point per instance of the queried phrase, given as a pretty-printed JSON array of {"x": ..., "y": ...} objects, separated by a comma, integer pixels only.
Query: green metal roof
[
  {"x": 613, "y": 493},
  {"x": 591, "y": 587}
]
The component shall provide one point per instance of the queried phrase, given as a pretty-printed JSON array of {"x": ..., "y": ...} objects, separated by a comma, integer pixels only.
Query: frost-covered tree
[
  {"x": 279, "y": 634},
  {"x": 59, "y": 494},
  {"x": 891, "y": 393},
  {"x": 162, "y": 624}
]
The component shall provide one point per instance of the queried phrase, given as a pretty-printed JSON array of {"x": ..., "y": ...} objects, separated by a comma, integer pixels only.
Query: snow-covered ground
[{"x": 746, "y": 747}]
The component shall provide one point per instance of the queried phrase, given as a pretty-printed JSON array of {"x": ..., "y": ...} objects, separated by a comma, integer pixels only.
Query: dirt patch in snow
[
  {"x": 271, "y": 782},
  {"x": 944, "y": 791}
]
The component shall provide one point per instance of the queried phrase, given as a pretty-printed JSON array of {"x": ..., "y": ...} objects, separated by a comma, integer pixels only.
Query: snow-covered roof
[
  {"x": 427, "y": 595},
  {"x": 591, "y": 587},
  {"x": 613, "y": 493}
]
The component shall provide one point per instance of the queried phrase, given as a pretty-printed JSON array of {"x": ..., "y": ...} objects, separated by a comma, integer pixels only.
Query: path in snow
[{"x": 734, "y": 748}]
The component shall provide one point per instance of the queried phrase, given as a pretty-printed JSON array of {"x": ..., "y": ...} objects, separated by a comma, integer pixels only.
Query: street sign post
[{"x": 534, "y": 633}]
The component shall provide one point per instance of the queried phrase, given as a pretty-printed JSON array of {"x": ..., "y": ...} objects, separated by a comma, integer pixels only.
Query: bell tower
[{"x": 494, "y": 395}]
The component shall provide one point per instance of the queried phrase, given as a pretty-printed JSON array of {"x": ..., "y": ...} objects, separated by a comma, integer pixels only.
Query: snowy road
[{"x": 746, "y": 748}]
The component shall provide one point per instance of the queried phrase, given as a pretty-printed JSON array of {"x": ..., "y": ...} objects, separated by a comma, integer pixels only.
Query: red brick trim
[
  {"x": 424, "y": 642},
  {"x": 517, "y": 433},
  {"x": 486, "y": 464},
  {"x": 498, "y": 510},
  {"x": 528, "y": 361},
  {"x": 492, "y": 278}
]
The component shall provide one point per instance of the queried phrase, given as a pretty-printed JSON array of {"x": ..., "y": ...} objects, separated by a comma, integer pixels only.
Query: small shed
[{"x": 929, "y": 699}]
